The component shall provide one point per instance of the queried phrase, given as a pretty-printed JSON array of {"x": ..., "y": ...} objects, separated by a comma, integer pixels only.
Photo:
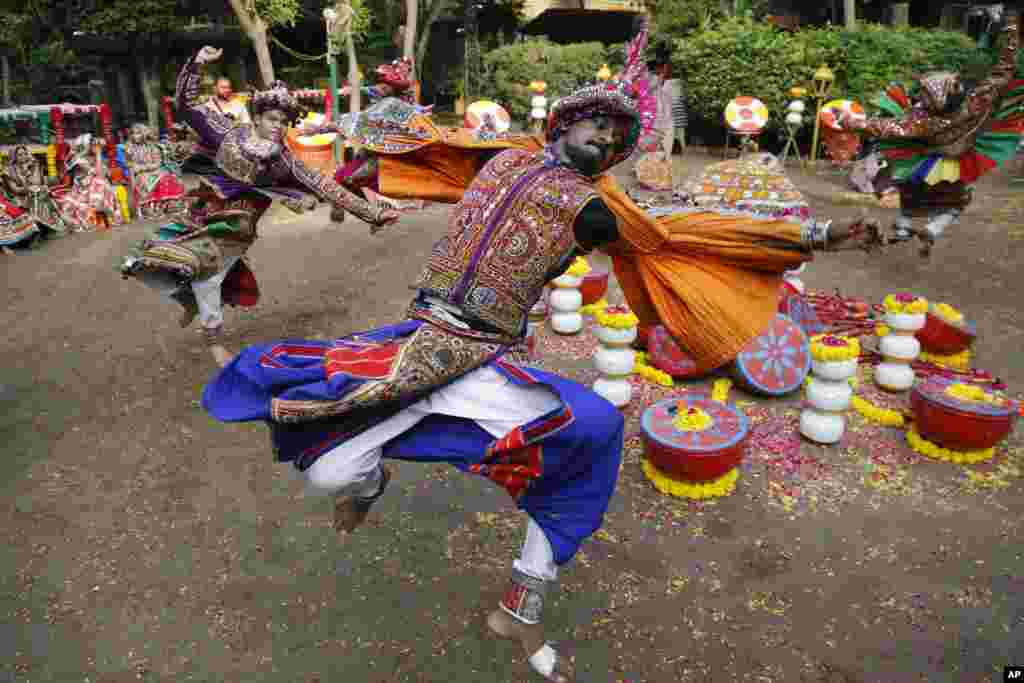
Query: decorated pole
[
  {"x": 834, "y": 362},
  {"x": 565, "y": 299},
  {"x": 616, "y": 330},
  {"x": 905, "y": 315}
]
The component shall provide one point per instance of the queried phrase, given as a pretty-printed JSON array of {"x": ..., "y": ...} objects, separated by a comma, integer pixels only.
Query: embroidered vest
[{"x": 509, "y": 234}]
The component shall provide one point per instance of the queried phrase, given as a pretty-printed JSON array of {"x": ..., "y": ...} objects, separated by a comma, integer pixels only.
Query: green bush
[
  {"x": 563, "y": 67},
  {"x": 736, "y": 57}
]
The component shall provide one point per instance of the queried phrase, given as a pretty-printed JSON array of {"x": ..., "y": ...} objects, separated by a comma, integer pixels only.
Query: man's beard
[{"x": 589, "y": 159}]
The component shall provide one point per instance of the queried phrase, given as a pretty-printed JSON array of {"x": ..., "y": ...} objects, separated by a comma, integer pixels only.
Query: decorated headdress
[
  {"x": 397, "y": 74},
  {"x": 625, "y": 98},
  {"x": 277, "y": 96}
]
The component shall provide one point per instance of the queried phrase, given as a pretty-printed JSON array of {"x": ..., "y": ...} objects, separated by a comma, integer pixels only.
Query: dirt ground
[{"x": 148, "y": 542}]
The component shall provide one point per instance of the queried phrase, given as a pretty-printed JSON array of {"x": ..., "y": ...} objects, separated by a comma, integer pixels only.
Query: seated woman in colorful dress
[
  {"x": 88, "y": 200},
  {"x": 18, "y": 227},
  {"x": 157, "y": 189},
  {"x": 27, "y": 186},
  {"x": 198, "y": 262}
]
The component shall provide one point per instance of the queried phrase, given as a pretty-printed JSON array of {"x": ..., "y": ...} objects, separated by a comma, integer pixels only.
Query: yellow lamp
[{"x": 824, "y": 78}]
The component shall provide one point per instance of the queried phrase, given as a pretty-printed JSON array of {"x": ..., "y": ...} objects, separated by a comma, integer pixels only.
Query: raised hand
[
  {"x": 388, "y": 217},
  {"x": 208, "y": 55}
]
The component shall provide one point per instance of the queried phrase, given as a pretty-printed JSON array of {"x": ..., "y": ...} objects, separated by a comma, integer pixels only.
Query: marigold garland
[
  {"x": 948, "y": 313},
  {"x": 720, "y": 390},
  {"x": 958, "y": 361},
  {"x": 592, "y": 309},
  {"x": 972, "y": 394},
  {"x": 905, "y": 304},
  {"x": 936, "y": 452},
  {"x": 832, "y": 348},
  {"x": 716, "y": 488},
  {"x": 616, "y": 317},
  {"x": 885, "y": 417},
  {"x": 649, "y": 373},
  {"x": 579, "y": 267}
]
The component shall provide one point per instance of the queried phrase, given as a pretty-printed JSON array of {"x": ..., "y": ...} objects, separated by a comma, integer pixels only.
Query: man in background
[{"x": 226, "y": 102}]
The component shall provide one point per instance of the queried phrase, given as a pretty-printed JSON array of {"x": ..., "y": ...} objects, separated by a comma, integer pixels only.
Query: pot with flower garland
[
  {"x": 958, "y": 421},
  {"x": 565, "y": 299},
  {"x": 833, "y": 363},
  {"x": 615, "y": 329},
  {"x": 946, "y": 331},
  {"x": 905, "y": 314},
  {"x": 694, "y": 444}
]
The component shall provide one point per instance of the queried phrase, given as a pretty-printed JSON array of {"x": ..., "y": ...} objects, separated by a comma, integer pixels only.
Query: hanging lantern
[{"x": 824, "y": 78}]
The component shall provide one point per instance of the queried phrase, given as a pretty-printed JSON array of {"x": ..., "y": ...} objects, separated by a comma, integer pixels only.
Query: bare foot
[
  {"x": 531, "y": 638},
  {"x": 9, "y": 252},
  {"x": 189, "y": 314},
  {"x": 351, "y": 512},
  {"x": 338, "y": 214},
  {"x": 387, "y": 218},
  {"x": 221, "y": 355}
]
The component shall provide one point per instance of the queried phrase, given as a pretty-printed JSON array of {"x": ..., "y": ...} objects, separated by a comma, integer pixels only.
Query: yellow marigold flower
[
  {"x": 692, "y": 420},
  {"x": 592, "y": 309},
  {"x": 579, "y": 267},
  {"x": 905, "y": 303},
  {"x": 881, "y": 330},
  {"x": 936, "y": 452},
  {"x": 948, "y": 313},
  {"x": 958, "y": 361},
  {"x": 971, "y": 393},
  {"x": 720, "y": 390},
  {"x": 717, "y": 488},
  {"x": 876, "y": 414},
  {"x": 618, "y": 317},
  {"x": 833, "y": 348}
]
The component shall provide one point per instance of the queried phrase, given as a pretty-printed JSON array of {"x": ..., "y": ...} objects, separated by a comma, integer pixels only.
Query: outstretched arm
[
  {"x": 1003, "y": 72},
  {"x": 326, "y": 189},
  {"x": 211, "y": 125}
]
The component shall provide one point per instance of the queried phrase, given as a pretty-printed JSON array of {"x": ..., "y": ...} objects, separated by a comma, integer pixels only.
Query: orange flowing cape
[{"x": 712, "y": 279}]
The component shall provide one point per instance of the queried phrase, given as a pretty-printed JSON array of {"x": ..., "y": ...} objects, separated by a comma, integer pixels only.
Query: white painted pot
[
  {"x": 538, "y": 102},
  {"x": 565, "y": 300},
  {"x": 906, "y": 322},
  {"x": 795, "y": 118},
  {"x": 831, "y": 396},
  {"x": 823, "y": 428},
  {"x": 538, "y": 113},
  {"x": 566, "y": 323},
  {"x": 894, "y": 376},
  {"x": 614, "y": 361},
  {"x": 899, "y": 346},
  {"x": 797, "y": 106},
  {"x": 834, "y": 370},
  {"x": 618, "y": 392},
  {"x": 613, "y": 336}
]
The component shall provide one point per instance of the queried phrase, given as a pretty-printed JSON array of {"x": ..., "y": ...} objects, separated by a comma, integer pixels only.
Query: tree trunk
[
  {"x": 850, "y": 14},
  {"x": 262, "y": 48},
  {"x": 424, "y": 41},
  {"x": 7, "y": 79},
  {"x": 409, "y": 48},
  {"x": 126, "y": 93},
  {"x": 354, "y": 84},
  {"x": 147, "y": 82},
  {"x": 256, "y": 30}
]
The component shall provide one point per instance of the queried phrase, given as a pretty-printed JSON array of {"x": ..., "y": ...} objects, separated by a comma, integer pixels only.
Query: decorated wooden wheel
[
  {"x": 797, "y": 308},
  {"x": 831, "y": 112},
  {"x": 703, "y": 450},
  {"x": 478, "y": 112},
  {"x": 961, "y": 417},
  {"x": 746, "y": 115},
  {"x": 776, "y": 362},
  {"x": 666, "y": 355}
]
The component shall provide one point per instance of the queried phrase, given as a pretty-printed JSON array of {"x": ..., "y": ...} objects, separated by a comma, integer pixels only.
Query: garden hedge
[{"x": 738, "y": 56}]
